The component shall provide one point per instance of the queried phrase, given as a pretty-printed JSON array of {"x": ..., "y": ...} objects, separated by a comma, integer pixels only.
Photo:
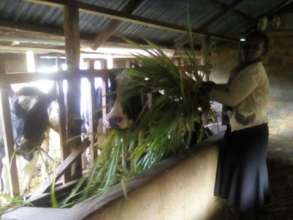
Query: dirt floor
[{"x": 280, "y": 165}]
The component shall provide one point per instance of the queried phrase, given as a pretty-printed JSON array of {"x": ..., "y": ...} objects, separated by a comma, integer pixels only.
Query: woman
[{"x": 242, "y": 177}]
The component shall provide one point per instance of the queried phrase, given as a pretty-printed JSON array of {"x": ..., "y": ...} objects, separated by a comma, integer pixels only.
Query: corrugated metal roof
[
  {"x": 173, "y": 12},
  {"x": 229, "y": 23},
  {"x": 256, "y": 8},
  {"x": 111, "y": 4}
]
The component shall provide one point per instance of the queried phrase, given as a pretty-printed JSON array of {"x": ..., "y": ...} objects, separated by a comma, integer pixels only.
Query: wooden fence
[{"x": 69, "y": 156}]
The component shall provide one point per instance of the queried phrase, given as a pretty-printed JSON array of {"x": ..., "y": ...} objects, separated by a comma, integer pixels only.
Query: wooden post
[
  {"x": 8, "y": 137},
  {"x": 92, "y": 120},
  {"x": 72, "y": 47},
  {"x": 62, "y": 127}
]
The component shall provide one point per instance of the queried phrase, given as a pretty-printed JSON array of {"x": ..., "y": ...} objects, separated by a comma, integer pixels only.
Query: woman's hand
[
  {"x": 204, "y": 94},
  {"x": 206, "y": 87}
]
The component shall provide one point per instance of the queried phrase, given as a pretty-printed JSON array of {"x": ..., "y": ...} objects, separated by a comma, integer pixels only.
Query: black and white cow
[
  {"x": 30, "y": 122},
  {"x": 123, "y": 115}
]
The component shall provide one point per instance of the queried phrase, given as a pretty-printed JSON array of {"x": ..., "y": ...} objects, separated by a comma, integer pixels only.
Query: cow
[
  {"x": 30, "y": 122},
  {"x": 123, "y": 115}
]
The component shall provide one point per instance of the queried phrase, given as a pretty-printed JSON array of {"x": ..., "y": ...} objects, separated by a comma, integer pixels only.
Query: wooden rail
[
  {"x": 24, "y": 77},
  {"x": 69, "y": 157}
]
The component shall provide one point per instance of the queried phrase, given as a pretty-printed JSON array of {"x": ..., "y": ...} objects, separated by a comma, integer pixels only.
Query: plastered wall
[{"x": 184, "y": 192}]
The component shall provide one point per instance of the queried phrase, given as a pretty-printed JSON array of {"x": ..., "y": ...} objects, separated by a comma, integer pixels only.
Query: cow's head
[
  {"x": 29, "y": 119},
  {"x": 125, "y": 111}
]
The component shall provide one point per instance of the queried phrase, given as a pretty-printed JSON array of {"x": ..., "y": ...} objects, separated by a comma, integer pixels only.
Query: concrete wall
[{"x": 184, "y": 192}]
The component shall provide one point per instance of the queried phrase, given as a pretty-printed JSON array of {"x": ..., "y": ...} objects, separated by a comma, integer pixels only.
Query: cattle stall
[
  {"x": 94, "y": 38},
  {"x": 58, "y": 79},
  {"x": 41, "y": 195}
]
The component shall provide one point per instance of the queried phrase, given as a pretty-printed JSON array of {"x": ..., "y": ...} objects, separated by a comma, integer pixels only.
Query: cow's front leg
[
  {"x": 28, "y": 172},
  {"x": 44, "y": 157}
]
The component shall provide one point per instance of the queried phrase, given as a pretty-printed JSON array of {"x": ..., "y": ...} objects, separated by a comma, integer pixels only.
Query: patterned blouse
[{"x": 247, "y": 94}]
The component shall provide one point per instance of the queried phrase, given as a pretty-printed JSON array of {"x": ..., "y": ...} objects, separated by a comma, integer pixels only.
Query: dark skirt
[{"x": 242, "y": 176}]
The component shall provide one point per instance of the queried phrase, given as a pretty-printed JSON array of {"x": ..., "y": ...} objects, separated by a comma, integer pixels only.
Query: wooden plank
[
  {"x": 72, "y": 47},
  {"x": 111, "y": 27},
  {"x": 286, "y": 9},
  {"x": 44, "y": 200},
  {"x": 29, "y": 213},
  {"x": 93, "y": 130},
  {"x": 93, "y": 150},
  {"x": 62, "y": 127},
  {"x": 8, "y": 143},
  {"x": 114, "y": 14},
  {"x": 61, "y": 169},
  {"x": 72, "y": 37},
  {"x": 26, "y": 29},
  {"x": 282, "y": 5},
  {"x": 17, "y": 29},
  {"x": 6, "y": 126},
  {"x": 60, "y": 75}
]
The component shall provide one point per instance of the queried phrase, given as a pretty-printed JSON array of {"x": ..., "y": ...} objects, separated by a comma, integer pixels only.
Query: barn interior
[{"x": 45, "y": 42}]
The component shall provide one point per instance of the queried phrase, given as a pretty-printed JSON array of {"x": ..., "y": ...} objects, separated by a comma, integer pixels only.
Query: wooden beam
[
  {"x": 109, "y": 30},
  {"x": 62, "y": 126},
  {"x": 114, "y": 14},
  {"x": 92, "y": 125},
  {"x": 219, "y": 15},
  {"x": 71, "y": 32},
  {"x": 33, "y": 32},
  {"x": 237, "y": 12},
  {"x": 276, "y": 9},
  {"x": 72, "y": 48},
  {"x": 11, "y": 25},
  {"x": 60, "y": 75},
  {"x": 49, "y": 32},
  {"x": 287, "y": 9},
  {"x": 7, "y": 134},
  {"x": 61, "y": 169},
  {"x": 61, "y": 191}
]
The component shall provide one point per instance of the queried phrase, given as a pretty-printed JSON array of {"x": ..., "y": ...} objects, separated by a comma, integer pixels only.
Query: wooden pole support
[
  {"x": 72, "y": 46},
  {"x": 6, "y": 126}
]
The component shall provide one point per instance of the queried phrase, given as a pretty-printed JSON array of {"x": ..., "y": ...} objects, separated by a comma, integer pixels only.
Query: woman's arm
[{"x": 240, "y": 87}]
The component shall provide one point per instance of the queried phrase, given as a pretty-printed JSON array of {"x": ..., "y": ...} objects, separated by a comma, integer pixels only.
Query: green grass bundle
[{"x": 168, "y": 125}]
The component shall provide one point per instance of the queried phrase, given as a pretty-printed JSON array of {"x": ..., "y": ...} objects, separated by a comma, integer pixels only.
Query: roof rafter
[
  {"x": 271, "y": 12},
  {"x": 109, "y": 30},
  {"x": 237, "y": 12},
  {"x": 276, "y": 9},
  {"x": 117, "y": 15},
  {"x": 15, "y": 31},
  {"x": 220, "y": 14}
]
